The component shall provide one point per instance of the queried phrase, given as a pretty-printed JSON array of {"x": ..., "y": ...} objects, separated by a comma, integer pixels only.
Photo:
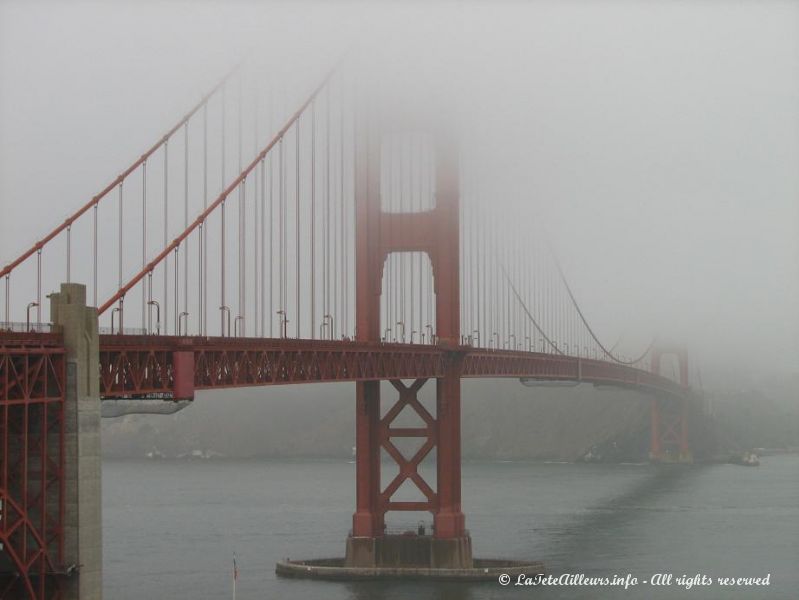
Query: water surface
[{"x": 170, "y": 527}]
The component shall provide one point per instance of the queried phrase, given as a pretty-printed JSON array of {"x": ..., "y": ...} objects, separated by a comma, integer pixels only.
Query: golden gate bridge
[{"x": 282, "y": 236}]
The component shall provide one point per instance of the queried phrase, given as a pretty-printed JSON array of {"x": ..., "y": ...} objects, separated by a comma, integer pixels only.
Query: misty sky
[{"x": 656, "y": 142}]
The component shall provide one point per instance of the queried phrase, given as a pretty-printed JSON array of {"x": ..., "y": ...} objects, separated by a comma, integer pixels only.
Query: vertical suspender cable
[
  {"x": 313, "y": 219},
  {"x": 222, "y": 185},
  {"x": 119, "y": 239},
  {"x": 271, "y": 246},
  {"x": 412, "y": 206},
  {"x": 485, "y": 334},
  {"x": 94, "y": 255},
  {"x": 334, "y": 235},
  {"x": 203, "y": 236},
  {"x": 342, "y": 319},
  {"x": 242, "y": 258},
  {"x": 69, "y": 253},
  {"x": 263, "y": 248},
  {"x": 256, "y": 221},
  {"x": 222, "y": 305},
  {"x": 144, "y": 239},
  {"x": 185, "y": 226},
  {"x": 281, "y": 235},
  {"x": 256, "y": 254},
  {"x": 297, "y": 222},
  {"x": 38, "y": 287},
  {"x": 326, "y": 297},
  {"x": 166, "y": 236},
  {"x": 242, "y": 241}
]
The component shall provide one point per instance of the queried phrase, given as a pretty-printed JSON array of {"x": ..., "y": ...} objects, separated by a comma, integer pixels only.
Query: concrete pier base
[
  {"x": 83, "y": 541},
  {"x": 408, "y": 556},
  {"x": 402, "y": 551},
  {"x": 333, "y": 569}
]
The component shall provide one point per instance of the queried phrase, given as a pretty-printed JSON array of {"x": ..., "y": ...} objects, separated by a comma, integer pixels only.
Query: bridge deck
[{"x": 136, "y": 366}]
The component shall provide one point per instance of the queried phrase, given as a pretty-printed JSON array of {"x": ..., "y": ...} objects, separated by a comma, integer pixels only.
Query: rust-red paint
[{"x": 32, "y": 390}]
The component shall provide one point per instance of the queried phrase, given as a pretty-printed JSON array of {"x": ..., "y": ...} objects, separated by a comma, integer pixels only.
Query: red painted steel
[
  {"x": 408, "y": 467},
  {"x": 167, "y": 251},
  {"x": 120, "y": 178},
  {"x": 32, "y": 389},
  {"x": 669, "y": 415},
  {"x": 137, "y": 366},
  {"x": 378, "y": 234},
  {"x": 183, "y": 374}
]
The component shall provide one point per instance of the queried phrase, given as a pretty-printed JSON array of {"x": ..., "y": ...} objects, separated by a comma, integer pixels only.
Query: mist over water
[
  {"x": 653, "y": 145},
  {"x": 171, "y": 527}
]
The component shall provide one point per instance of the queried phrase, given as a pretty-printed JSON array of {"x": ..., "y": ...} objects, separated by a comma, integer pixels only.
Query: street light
[
  {"x": 113, "y": 312},
  {"x": 236, "y": 325},
  {"x": 28, "y": 315},
  {"x": 181, "y": 317},
  {"x": 157, "y": 315},
  {"x": 283, "y": 323},
  {"x": 225, "y": 309}
]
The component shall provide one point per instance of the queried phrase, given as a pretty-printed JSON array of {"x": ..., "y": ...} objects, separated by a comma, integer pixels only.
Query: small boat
[
  {"x": 200, "y": 455},
  {"x": 745, "y": 459},
  {"x": 155, "y": 454}
]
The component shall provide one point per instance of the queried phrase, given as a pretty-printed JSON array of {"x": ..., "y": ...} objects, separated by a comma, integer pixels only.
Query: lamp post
[
  {"x": 115, "y": 310},
  {"x": 283, "y": 323},
  {"x": 28, "y": 315},
  {"x": 223, "y": 310},
  {"x": 183, "y": 317},
  {"x": 157, "y": 315}
]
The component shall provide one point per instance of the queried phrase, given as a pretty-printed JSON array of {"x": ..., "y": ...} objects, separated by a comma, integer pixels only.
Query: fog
[{"x": 657, "y": 143}]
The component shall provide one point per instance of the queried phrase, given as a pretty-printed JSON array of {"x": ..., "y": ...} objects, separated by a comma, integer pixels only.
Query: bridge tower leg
[
  {"x": 83, "y": 548},
  {"x": 377, "y": 235},
  {"x": 669, "y": 416}
]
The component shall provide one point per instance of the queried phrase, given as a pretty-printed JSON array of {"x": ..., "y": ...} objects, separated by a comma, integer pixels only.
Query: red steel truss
[
  {"x": 32, "y": 387},
  {"x": 145, "y": 366},
  {"x": 669, "y": 426}
]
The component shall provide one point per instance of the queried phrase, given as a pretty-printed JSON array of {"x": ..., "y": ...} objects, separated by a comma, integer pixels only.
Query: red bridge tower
[{"x": 377, "y": 235}]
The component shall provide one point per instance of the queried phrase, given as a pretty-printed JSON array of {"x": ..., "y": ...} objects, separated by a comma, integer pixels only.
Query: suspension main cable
[
  {"x": 527, "y": 312},
  {"x": 588, "y": 327}
]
